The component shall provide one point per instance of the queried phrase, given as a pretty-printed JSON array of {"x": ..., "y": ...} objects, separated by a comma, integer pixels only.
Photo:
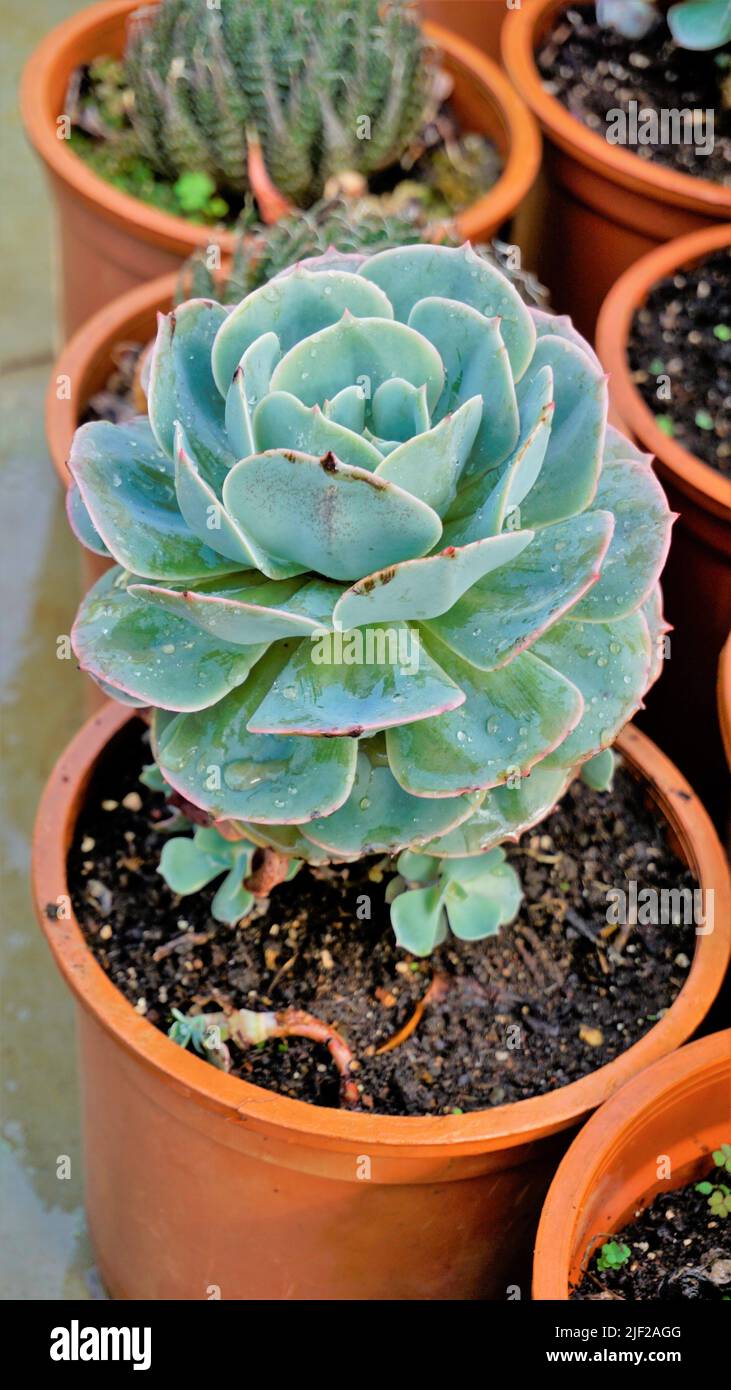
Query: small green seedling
[
  {"x": 718, "y": 1193},
  {"x": 613, "y": 1255}
]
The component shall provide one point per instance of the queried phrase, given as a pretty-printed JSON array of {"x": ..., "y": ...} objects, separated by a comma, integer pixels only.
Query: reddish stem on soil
[
  {"x": 436, "y": 991},
  {"x": 297, "y": 1023},
  {"x": 270, "y": 868},
  {"x": 247, "y": 1028}
]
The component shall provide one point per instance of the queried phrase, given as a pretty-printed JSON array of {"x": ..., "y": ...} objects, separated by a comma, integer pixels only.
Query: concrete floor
[{"x": 45, "y": 1249}]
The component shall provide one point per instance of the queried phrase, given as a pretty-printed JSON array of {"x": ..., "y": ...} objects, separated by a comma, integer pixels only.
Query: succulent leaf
[
  {"x": 189, "y": 863},
  {"x": 81, "y": 523},
  {"x": 430, "y": 465},
  {"x": 283, "y": 422},
  {"x": 476, "y": 364},
  {"x": 475, "y": 897},
  {"x": 254, "y": 777},
  {"x": 484, "y": 506},
  {"x": 510, "y": 719},
  {"x": 639, "y": 545},
  {"x": 373, "y": 818},
  {"x": 182, "y": 389},
  {"x": 201, "y": 509},
  {"x": 293, "y": 307},
  {"x": 153, "y": 655},
  {"x": 249, "y": 385},
  {"x": 504, "y": 613},
  {"x": 505, "y": 814},
  {"x": 700, "y": 24},
  {"x": 427, "y": 587},
  {"x": 400, "y": 410},
  {"x": 128, "y": 488},
  {"x": 598, "y": 772},
  {"x": 324, "y": 515},
  {"x": 405, "y": 274},
  {"x": 245, "y": 609},
  {"x": 568, "y": 479},
  {"x": 609, "y": 663},
  {"x": 367, "y": 350},
  {"x": 317, "y": 693}
]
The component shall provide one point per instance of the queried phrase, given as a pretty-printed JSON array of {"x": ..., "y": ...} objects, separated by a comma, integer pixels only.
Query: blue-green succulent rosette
[{"x": 376, "y": 456}]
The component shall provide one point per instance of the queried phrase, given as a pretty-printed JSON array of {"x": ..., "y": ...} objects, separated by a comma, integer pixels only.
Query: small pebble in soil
[
  {"x": 545, "y": 1002},
  {"x": 680, "y": 355},
  {"x": 675, "y": 1249}
]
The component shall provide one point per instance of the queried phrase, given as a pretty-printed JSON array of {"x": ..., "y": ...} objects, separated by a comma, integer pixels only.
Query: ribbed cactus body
[{"x": 325, "y": 87}]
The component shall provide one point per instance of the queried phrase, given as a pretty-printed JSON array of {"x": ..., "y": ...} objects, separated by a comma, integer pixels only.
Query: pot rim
[
  {"x": 604, "y": 1135},
  {"x": 724, "y": 698},
  {"x": 501, "y": 1128},
  {"x": 95, "y": 338},
  {"x": 695, "y": 478},
  {"x": 519, "y": 38},
  {"x": 522, "y": 137}
]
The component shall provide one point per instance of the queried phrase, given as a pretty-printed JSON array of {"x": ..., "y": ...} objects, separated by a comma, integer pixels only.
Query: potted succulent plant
[
  {"x": 640, "y": 1205},
  {"x": 254, "y": 99},
  {"x": 662, "y": 336},
  {"x": 386, "y": 583},
  {"x": 633, "y": 158}
]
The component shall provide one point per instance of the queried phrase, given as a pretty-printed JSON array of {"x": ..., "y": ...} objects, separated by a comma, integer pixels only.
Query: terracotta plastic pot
[
  {"x": 109, "y": 241},
  {"x": 479, "y": 21},
  {"x": 680, "y": 1108},
  {"x": 682, "y": 713},
  {"x": 724, "y": 698},
  {"x": 602, "y": 206},
  {"x": 196, "y": 1178}
]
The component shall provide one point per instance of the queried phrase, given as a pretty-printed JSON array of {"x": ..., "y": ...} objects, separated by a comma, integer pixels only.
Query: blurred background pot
[
  {"x": 599, "y": 206},
  {"x": 479, "y": 21},
  {"x": 679, "y": 1107},
  {"x": 195, "y": 1177},
  {"x": 109, "y": 241},
  {"x": 682, "y": 711},
  {"x": 724, "y": 698}
]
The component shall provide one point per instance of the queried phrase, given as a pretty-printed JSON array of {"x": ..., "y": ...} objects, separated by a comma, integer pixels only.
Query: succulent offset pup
[{"x": 384, "y": 574}]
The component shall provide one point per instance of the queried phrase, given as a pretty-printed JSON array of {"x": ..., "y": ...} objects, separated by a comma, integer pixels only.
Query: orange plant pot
[
  {"x": 682, "y": 712},
  {"x": 680, "y": 1108},
  {"x": 601, "y": 206},
  {"x": 478, "y": 21},
  {"x": 109, "y": 241},
  {"x": 196, "y": 1178},
  {"x": 724, "y": 698}
]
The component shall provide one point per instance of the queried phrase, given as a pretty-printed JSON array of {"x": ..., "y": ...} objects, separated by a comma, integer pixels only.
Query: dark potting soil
[
  {"x": 594, "y": 71},
  {"x": 679, "y": 1249},
  {"x": 543, "y": 1003},
  {"x": 115, "y": 400},
  {"x": 683, "y": 332}
]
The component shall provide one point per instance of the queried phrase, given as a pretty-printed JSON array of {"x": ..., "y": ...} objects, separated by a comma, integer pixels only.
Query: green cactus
[
  {"x": 347, "y": 225},
  {"x": 695, "y": 24},
  {"x": 326, "y": 87},
  {"x": 384, "y": 573},
  {"x": 340, "y": 224}
]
